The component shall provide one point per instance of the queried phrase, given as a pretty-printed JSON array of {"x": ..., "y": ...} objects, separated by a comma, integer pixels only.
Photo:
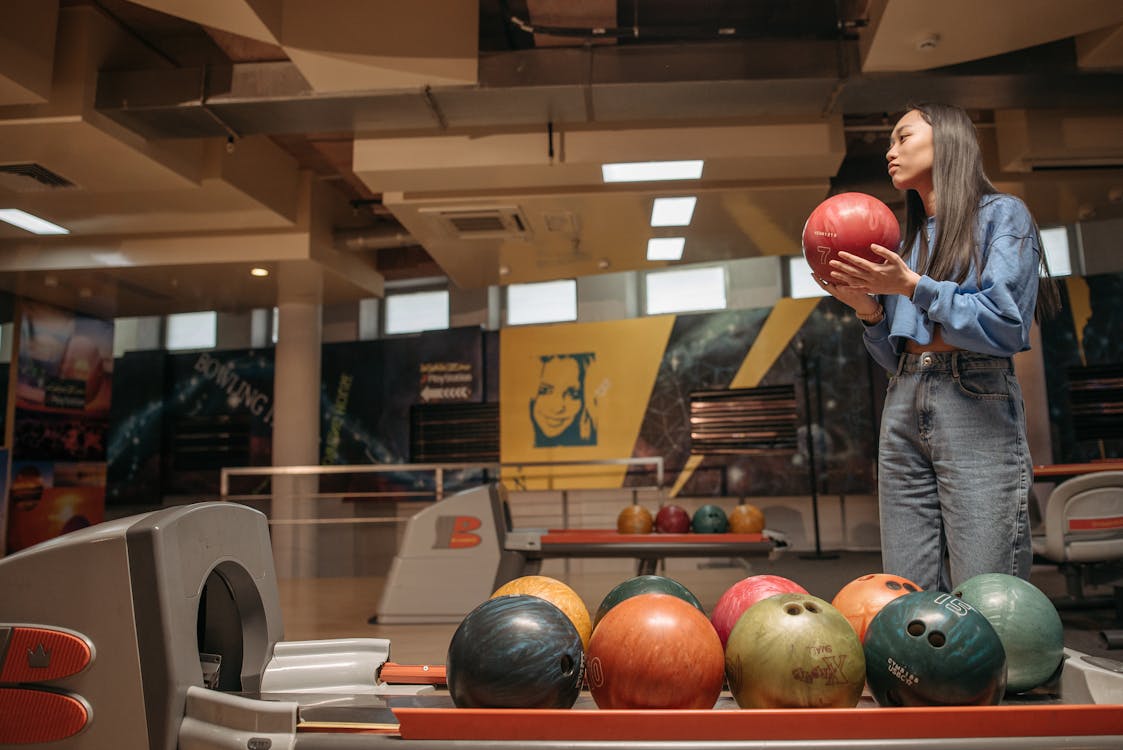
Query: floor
[{"x": 341, "y": 607}]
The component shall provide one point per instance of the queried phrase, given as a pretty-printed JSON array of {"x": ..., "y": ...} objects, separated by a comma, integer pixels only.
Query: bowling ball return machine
[
  {"x": 455, "y": 553},
  {"x": 142, "y": 632}
]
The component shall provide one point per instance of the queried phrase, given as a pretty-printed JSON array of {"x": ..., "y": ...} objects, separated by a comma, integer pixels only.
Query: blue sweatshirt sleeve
[
  {"x": 876, "y": 338},
  {"x": 993, "y": 316}
]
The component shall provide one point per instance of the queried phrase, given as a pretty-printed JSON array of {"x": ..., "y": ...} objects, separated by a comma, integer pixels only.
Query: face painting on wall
[{"x": 561, "y": 409}]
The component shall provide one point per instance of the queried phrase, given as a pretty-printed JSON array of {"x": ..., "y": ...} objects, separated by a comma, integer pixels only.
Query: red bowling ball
[
  {"x": 672, "y": 519},
  {"x": 744, "y": 594},
  {"x": 655, "y": 651},
  {"x": 848, "y": 222}
]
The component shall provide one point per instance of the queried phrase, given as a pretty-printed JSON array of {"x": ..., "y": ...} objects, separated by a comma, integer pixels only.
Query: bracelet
[{"x": 872, "y": 318}]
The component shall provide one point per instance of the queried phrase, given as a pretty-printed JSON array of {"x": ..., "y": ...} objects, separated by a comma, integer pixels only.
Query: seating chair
[{"x": 1083, "y": 533}]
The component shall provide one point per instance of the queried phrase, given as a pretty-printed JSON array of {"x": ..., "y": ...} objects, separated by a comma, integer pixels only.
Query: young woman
[{"x": 944, "y": 318}]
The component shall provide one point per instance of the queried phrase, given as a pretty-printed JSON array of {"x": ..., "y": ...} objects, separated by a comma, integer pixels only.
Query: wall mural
[{"x": 592, "y": 391}]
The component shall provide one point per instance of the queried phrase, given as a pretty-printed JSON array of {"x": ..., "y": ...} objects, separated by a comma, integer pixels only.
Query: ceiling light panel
[
  {"x": 665, "y": 248},
  {"x": 652, "y": 171},
  {"x": 673, "y": 212},
  {"x": 30, "y": 222}
]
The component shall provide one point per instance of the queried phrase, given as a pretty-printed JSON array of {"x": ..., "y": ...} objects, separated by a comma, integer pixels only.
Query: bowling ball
[
  {"x": 515, "y": 652},
  {"x": 644, "y": 585},
  {"x": 746, "y": 519},
  {"x": 930, "y": 648},
  {"x": 634, "y": 519},
  {"x": 848, "y": 222},
  {"x": 655, "y": 651},
  {"x": 744, "y": 594},
  {"x": 558, "y": 594},
  {"x": 709, "y": 519},
  {"x": 794, "y": 651},
  {"x": 672, "y": 519},
  {"x": 862, "y": 598},
  {"x": 1027, "y": 623}
]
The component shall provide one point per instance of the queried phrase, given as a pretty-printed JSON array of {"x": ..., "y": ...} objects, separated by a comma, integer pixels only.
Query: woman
[{"x": 945, "y": 317}]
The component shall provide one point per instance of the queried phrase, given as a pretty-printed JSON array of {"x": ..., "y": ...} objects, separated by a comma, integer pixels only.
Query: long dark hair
[{"x": 960, "y": 184}]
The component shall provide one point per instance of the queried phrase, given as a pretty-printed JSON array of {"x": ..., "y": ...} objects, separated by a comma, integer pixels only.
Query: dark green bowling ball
[
  {"x": 709, "y": 519},
  {"x": 644, "y": 585},
  {"x": 930, "y": 648},
  {"x": 1027, "y": 623},
  {"x": 515, "y": 651}
]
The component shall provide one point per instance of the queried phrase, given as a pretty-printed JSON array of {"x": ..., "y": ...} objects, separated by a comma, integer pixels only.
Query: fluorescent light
[
  {"x": 673, "y": 212},
  {"x": 30, "y": 222},
  {"x": 649, "y": 171},
  {"x": 665, "y": 248}
]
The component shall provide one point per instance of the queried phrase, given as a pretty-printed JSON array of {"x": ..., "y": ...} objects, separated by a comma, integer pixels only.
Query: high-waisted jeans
[{"x": 954, "y": 470}]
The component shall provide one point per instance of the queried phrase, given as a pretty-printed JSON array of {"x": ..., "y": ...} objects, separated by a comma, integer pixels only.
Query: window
[
  {"x": 1054, "y": 242},
  {"x": 800, "y": 283},
  {"x": 416, "y": 312},
  {"x": 547, "y": 302},
  {"x": 191, "y": 330},
  {"x": 684, "y": 290}
]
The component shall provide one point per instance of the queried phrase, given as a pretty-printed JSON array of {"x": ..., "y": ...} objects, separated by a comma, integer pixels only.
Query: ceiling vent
[
  {"x": 31, "y": 178},
  {"x": 480, "y": 222}
]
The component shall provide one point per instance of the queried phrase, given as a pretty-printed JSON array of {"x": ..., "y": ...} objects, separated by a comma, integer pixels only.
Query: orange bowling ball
[
  {"x": 635, "y": 519},
  {"x": 557, "y": 593},
  {"x": 746, "y": 519},
  {"x": 862, "y": 598}
]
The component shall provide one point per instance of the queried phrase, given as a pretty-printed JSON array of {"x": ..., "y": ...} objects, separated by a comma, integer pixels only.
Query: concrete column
[{"x": 296, "y": 418}]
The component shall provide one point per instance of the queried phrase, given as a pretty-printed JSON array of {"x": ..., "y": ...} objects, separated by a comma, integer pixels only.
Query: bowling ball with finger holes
[
  {"x": 672, "y": 519},
  {"x": 646, "y": 584},
  {"x": 848, "y": 222},
  {"x": 794, "y": 651},
  {"x": 862, "y": 598},
  {"x": 709, "y": 519},
  {"x": 746, "y": 519},
  {"x": 634, "y": 519},
  {"x": 655, "y": 651},
  {"x": 515, "y": 652},
  {"x": 736, "y": 599},
  {"x": 557, "y": 593},
  {"x": 1027, "y": 623},
  {"x": 933, "y": 649}
]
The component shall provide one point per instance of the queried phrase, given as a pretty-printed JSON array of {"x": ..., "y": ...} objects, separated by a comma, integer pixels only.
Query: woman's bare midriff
[{"x": 938, "y": 344}]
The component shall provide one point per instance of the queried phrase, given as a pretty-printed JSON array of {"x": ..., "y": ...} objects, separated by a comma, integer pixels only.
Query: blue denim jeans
[{"x": 954, "y": 470}]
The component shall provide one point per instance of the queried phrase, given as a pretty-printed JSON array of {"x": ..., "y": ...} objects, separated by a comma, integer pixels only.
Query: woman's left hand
[{"x": 891, "y": 277}]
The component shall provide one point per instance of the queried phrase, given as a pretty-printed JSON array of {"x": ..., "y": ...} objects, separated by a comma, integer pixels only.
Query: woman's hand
[
  {"x": 861, "y": 301},
  {"x": 891, "y": 277}
]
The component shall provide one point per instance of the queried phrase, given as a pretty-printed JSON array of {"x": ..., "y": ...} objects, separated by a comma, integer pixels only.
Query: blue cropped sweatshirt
[{"x": 989, "y": 313}]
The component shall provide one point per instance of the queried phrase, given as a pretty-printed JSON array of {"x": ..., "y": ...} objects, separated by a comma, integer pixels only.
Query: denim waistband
[{"x": 953, "y": 362}]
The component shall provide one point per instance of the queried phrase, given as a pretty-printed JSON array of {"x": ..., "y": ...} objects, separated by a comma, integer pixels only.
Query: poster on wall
[
  {"x": 64, "y": 380},
  {"x": 577, "y": 394}
]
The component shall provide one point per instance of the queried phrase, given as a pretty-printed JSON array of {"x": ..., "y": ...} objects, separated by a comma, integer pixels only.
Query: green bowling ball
[
  {"x": 930, "y": 648},
  {"x": 1027, "y": 623},
  {"x": 709, "y": 519},
  {"x": 649, "y": 584}
]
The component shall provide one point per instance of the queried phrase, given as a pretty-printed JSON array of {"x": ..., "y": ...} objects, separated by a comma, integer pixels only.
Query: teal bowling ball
[
  {"x": 709, "y": 519},
  {"x": 930, "y": 648},
  {"x": 1026, "y": 622},
  {"x": 649, "y": 584},
  {"x": 515, "y": 651}
]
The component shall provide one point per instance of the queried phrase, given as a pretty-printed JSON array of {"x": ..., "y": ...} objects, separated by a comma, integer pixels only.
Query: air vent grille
[
  {"x": 30, "y": 177},
  {"x": 480, "y": 222}
]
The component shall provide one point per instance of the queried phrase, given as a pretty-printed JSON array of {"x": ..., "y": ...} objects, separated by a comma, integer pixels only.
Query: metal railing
[{"x": 439, "y": 473}]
